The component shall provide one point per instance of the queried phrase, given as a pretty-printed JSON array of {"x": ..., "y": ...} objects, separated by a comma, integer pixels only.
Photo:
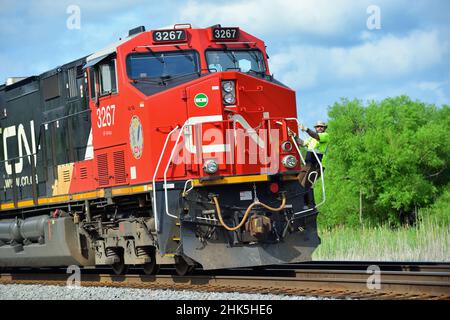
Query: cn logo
[{"x": 22, "y": 143}]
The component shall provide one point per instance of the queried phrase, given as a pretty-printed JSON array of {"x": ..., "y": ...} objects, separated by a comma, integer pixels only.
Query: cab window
[
  {"x": 102, "y": 79},
  {"x": 93, "y": 83},
  {"x": 167, "y": 65},
  {"x": 242, "y": 60},
  {"x": 107, "y": 77}
]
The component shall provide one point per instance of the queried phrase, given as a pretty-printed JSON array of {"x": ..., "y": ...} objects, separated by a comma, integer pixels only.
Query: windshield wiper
[
  {"x": 231, "y": 55},
  {"x": 257, "y": 72},
  {"x": 156, "y": 56},
  {"x": 163, "y": 79},
  {"x": 255, "y": 56},
  {"x": 187, "y": 56},
  {"x": 258, "y": 61},
  {"x": 171, "y": 78},
  {"x": 148, "y": 80}
]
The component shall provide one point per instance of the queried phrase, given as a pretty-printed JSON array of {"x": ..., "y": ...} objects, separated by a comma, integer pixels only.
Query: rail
[{"x": 337, "y": 280}]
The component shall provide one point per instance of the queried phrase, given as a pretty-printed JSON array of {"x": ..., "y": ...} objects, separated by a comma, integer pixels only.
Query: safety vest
[{"x": 318, "y": 146}]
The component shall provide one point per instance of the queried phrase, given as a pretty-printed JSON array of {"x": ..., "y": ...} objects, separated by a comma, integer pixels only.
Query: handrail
[
  {"x": 154, "y": 178},
  {"x": 167, "y": 169}
]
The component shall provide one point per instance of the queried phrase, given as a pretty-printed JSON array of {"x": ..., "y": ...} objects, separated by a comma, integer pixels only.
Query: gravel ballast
[{"x": 48, "y": 292}]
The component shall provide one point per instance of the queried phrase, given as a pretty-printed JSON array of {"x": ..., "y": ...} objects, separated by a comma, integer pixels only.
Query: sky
[{"x": 324, "y": 50}]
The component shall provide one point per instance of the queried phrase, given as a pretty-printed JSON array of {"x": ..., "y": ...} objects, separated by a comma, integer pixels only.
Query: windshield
[
  {"x": 161, "y": 64},
  {"x": 244, "y": 60}
]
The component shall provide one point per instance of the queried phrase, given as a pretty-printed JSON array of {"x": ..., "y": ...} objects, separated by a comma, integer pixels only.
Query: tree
[{"x": 393, "y": 153}]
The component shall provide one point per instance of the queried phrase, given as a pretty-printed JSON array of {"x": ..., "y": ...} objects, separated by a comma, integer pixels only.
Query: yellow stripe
[
  {"x": 5, "y": 206},
  {"x": 53, "y": 199},
  {"x": 89, "y": 195},
  {"x": 131, "y": 190},
  {"x": 78, "y": 196},
  {"x": 239, "y": 179},
  {"x": 231, "y": 180},
  {"x": 25, "y": 203}
]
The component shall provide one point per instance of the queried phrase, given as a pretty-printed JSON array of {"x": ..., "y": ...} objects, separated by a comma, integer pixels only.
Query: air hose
[{"x": 247, "y": 212}]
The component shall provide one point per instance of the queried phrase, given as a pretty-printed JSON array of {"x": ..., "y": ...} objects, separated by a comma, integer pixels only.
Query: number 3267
[{"x": 105, "y": 116}]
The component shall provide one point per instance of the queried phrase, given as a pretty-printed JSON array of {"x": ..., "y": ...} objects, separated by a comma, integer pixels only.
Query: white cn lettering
[
  {"x": 22, "y": 143},
  {"x": 7, "y": 133}
]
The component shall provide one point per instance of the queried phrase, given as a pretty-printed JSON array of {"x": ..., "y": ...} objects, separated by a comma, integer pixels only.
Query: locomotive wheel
[
  {"x": 182, "y": 267},
  {"x": 151, "y": 268},
  {"x": 120, "y": 267}
]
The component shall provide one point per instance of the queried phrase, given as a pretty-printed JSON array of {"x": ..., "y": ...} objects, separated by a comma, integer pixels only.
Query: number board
[
  {"x": 169, "y": 36},
  {"x": 225, "y": 33}
]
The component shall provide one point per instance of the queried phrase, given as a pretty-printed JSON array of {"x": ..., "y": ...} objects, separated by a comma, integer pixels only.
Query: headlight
[
  {"x": 289, "y": 162},
  {"x": 229, "y": 92},
  {"x": 210, "y": 166},
  {"x": 229, "y": 98},
  {"x": 228, "y": 86}
]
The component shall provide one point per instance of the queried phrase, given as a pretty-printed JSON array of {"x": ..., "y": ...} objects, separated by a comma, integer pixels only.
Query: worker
[{"x": 318, "y": 141}]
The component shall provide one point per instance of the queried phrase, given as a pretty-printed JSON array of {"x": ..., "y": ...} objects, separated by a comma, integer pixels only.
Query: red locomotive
[{"x": 168, "y": 147}]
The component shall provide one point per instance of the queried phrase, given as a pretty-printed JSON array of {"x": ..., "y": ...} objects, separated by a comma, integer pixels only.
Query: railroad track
[{"x": 326, "y": 279}]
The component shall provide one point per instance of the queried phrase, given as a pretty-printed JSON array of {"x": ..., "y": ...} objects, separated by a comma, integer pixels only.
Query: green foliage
[
  {"x": 394, "y": 153},
  {"x": 439, "y": 212}
]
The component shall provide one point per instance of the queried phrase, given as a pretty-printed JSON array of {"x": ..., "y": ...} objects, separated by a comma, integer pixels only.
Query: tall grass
[{"x": 429, "y": 240}]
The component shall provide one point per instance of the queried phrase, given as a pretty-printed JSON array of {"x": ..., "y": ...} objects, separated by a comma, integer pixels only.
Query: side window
[
  {"x": 75, "y": 79},
  {"x": 107, "y": 73},
  {"x": 72, "y": 82},
  {"x": 93, "y": 82}
]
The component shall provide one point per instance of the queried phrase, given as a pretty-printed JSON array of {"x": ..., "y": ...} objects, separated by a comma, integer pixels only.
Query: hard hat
[{"x": 320, "y": 124}]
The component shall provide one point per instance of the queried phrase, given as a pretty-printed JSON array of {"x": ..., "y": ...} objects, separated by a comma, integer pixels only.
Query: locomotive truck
[{"x": 171, "y": 146}]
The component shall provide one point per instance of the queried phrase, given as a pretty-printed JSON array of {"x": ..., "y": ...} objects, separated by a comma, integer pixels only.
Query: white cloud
[
  {"x": 277, "y": 16},
  {"x": 290, "y": 17},
  {"x": 51, "y": 8},
  {"x": 385, "y": 58}
]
